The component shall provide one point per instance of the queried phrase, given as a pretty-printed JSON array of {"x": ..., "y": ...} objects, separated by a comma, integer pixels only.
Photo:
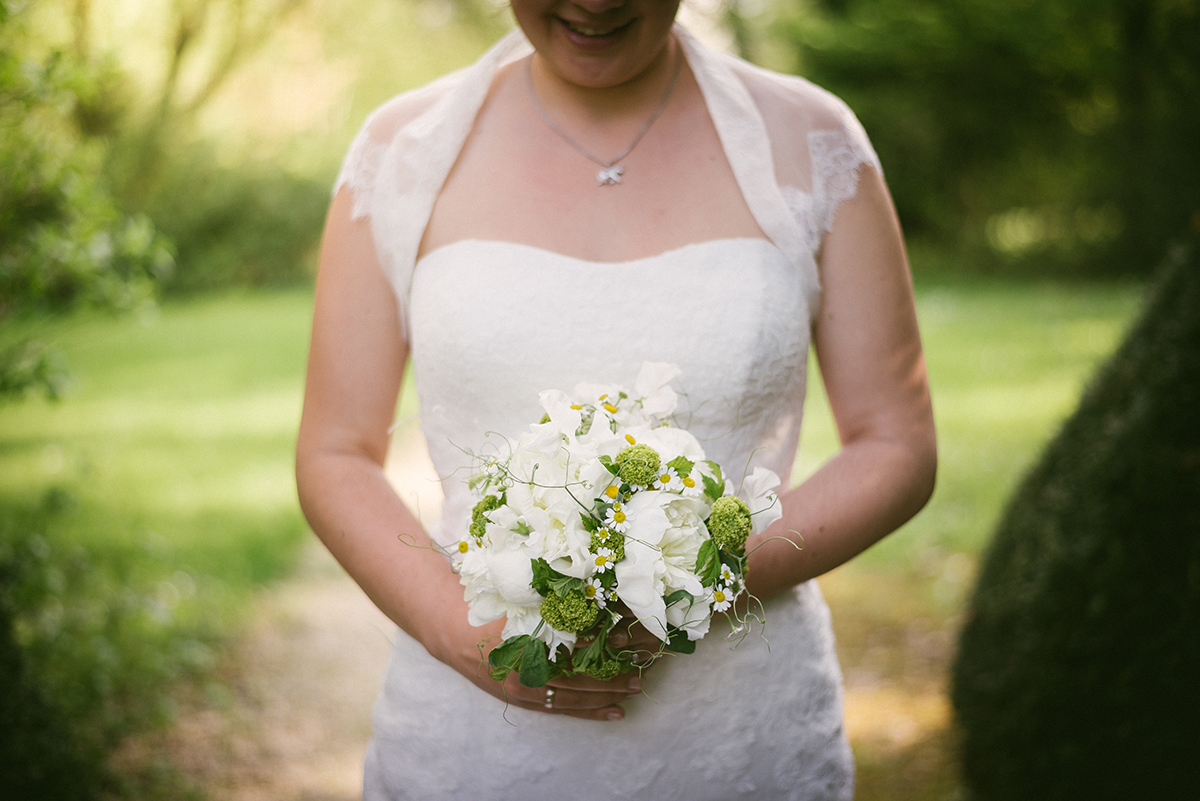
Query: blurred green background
[{"x": 164, "y": 171}]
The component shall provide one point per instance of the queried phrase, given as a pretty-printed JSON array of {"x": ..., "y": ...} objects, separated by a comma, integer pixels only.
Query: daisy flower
[
  {"x": 604, "y": 560},
  {"x": 615, "y": 519},
  {"x": 594, "y": 591},
  {"x": 691, "y": 487},
  {"x": 722, "y": 598},
  {"x": 668, "y": 480}
]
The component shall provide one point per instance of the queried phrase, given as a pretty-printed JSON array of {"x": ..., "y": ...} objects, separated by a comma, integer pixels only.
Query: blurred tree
[
  {"x": 207, "y": 39},
  {"x": 1051, "y": 132},
  {"x": 63, "y": 242},
  {"x": 1076, "y": 669}
]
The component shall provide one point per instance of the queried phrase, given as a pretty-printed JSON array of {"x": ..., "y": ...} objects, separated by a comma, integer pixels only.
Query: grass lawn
[{"x": 168, "y": 467}]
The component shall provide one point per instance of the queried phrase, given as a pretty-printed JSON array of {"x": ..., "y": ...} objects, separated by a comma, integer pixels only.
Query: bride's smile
[{"x": 598, "y": 43}]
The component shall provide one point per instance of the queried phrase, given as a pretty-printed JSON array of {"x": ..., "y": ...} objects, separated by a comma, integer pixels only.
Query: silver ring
[{"x": 549, "y": 701}]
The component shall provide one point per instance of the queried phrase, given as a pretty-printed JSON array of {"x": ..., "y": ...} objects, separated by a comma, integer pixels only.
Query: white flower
[
  {"x": 727, "y": 575},
  {"x": 758, "y": 490},
  {"x": 658, "y": 399},
  {"x": 722, "y": 598},
  {"x": 593, "y": 590},
  {"x": 694, "y": 617},
  {"x": 693, "y": 486},
  {"x": 603, "y": 560},
  {"x": 664, "y": 537},
  {"x": 617, "y": 519},
  {"x": 668, "y": 480}
]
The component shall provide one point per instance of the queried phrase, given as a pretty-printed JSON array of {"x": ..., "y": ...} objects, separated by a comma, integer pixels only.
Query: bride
[{"x": 597, "y": 191}]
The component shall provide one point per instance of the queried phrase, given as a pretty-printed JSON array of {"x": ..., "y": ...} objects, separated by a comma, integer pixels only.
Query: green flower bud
[
  {"x": 612, "y": 540},
  {"x": 478, "y": 521},
  {"x": 570, "y": 612},
  {"x": 729, "y": 523},
  {"x": 603, "y": 671},
  {"x": 638, "y": 464}
]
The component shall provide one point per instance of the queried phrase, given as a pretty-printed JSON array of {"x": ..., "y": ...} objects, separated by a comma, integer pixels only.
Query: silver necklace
[{"x": 610, "y": 171}]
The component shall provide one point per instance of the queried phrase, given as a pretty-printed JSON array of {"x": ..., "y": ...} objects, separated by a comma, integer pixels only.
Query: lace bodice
[{"x": 731, "y": 313}]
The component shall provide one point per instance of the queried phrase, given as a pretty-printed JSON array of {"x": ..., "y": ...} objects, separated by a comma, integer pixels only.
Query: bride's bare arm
[
  {"x": 870, "y": 355},
  {"x": 355, "y": 366}
]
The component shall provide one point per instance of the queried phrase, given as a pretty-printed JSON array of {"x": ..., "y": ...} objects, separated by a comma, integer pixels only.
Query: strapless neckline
[{"x": 449, "y": 249}]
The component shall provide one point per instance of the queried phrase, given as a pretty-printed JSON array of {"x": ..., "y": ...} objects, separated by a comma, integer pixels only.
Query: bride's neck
[{"x": 631, "y": 98}]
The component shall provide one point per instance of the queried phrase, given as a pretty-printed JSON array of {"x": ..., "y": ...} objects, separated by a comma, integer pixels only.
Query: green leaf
[
  {"x": 535, "y": 664},
  {"x": 590, "y": 524},
  {"x": 678, "y": 596},
  {"x": 708, "y": 550},
  {"x": 683, "y": 466},
  {"x": 714, "y": 487},
  {"x": 507, "y": 655},
  {"x": 607, "y": 461},
  {"x": 677, "y": 641},
  {"x": 542, "y": 575},
  {"x": 561, "y": 585}
]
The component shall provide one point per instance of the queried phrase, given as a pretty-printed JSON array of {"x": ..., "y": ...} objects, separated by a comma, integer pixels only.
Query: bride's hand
[{"x": 575, "y": 696}]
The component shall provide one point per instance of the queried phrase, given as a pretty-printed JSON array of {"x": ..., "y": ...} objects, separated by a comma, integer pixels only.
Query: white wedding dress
[{"x": 491, "y": 324}]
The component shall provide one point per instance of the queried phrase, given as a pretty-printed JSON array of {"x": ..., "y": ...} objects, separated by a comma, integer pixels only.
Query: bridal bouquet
[{"x": 604, "y": 505}]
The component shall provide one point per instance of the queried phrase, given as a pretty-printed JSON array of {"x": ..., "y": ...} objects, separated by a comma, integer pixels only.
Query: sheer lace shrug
[{"x": 795, "y": 150}]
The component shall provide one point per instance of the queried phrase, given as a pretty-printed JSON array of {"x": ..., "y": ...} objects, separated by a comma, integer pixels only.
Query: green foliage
[
  {"x": 1075, "y": 677},
  {"x": 250, "y": 225},
  {"x": 1057, "y": 134},
  {"x": 136, "y": 520},
  {"x": 63, "y": 241},
  {"x": 525, "y": 654}
]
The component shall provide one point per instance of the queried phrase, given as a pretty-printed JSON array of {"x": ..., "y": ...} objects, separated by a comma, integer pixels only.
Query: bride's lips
[{"x": 593, "y": 35}]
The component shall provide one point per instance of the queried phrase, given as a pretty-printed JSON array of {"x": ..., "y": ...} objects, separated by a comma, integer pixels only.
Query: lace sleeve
[
  {"x": 838, "y": 157},
  {"x": 360, "y": 168}
]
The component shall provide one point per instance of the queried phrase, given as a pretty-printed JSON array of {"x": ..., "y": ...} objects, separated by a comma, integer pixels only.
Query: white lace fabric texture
[{"x": 490, "y": 324}]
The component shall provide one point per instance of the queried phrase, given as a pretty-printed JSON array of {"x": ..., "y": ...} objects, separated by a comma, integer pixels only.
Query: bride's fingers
[
  {"x": 627, "y": 682},
  {"x": 571, "y": 694}
]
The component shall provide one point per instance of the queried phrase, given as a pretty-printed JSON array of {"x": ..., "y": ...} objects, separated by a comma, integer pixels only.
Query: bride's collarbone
[{"x": 551, "y": 198}]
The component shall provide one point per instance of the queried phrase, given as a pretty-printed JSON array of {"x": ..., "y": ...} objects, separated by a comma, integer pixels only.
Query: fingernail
[
  {"x": 616, "y": 714},
  {"x": 619, "y": 640},
  {"x": 635, "y": 683}
]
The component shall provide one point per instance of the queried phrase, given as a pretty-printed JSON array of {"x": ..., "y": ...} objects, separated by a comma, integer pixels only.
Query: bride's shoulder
[
  {"x": 393, "y": 115},
  {"x": 790, "y": 102},
  {"x": 381, "y": 129}
]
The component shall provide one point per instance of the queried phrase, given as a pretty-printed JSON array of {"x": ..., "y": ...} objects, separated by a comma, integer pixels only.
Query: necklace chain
[{"x": 612, "y": 171}]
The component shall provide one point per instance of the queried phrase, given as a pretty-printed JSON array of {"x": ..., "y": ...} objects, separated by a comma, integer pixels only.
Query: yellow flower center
[
  {"x": 589, "y": 591},
  {"x": 608, "y": 407},
  {"x": 619, "y": 517},
  {"x": 576, "y": 406},
  {"x": 612, "y": 491},
  {"x": 719, "y": 596},
  {"x": 664, "y": 478},
  {"x": 689, "y": 482},
  {"x": 462, "y": 547},
  {"x": 630, "y": 439},
  {"x": 601, "y": 561}
]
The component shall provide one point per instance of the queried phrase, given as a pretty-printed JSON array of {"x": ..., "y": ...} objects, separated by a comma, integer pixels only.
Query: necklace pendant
[{"x": 610, "y": 175}]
